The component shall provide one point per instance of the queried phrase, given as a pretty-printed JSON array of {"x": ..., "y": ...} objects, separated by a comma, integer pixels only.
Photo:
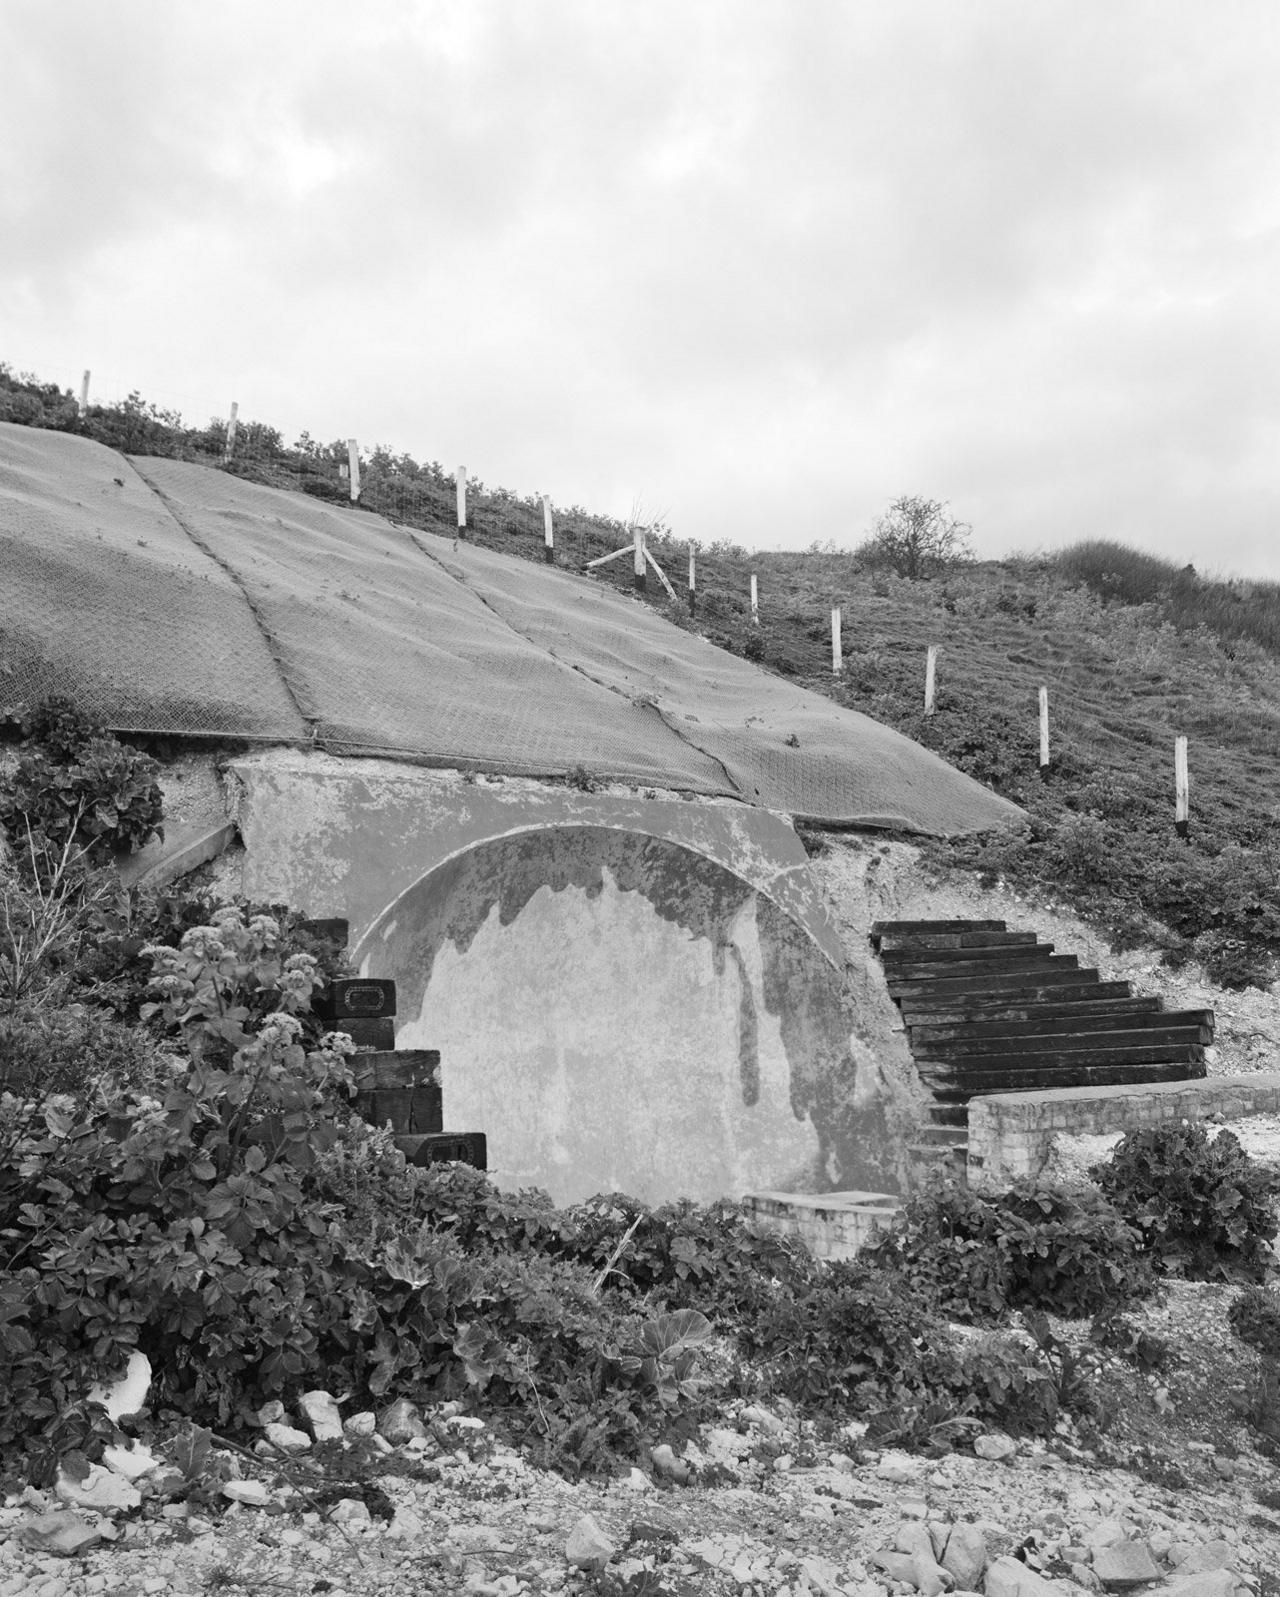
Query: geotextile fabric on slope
[{"x": 168, "y": 597}]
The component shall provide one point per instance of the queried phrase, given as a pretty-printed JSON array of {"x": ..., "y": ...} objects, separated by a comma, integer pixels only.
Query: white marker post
[
  {"x": 1044, "y": 734},
  {"x": 640, "y": 579},
  {"x": 232, "y": 422},
  {"x": 462, "y": 501},
  {"x": 84, "y": 394},
  {"x": 353, "y": 463},
  {"x": 548, "y": 532},
  {"x": 693, "y": 583},
  {"x": 837, "y": 656},
  {"x": 755, "y": 602},
  {"x": 1182, "y": 787},
  {"x": 930, "y": 677}
]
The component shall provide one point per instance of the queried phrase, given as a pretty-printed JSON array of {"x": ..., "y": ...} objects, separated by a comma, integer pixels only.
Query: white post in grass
[
  {"x": 1044, "y": 732},
  {"x": 837, "y": 656},
  {"x": 640, "y": 579},
  {"x": 353, "y": 465},
  {"x": 693, "y": 583},
  {"x": 84, "y": 393},
  {"x": 462, "y": 501},
  {"x": 548, "y": 531},
  {"x": 755, "y": 602},
  {"x": 1182, "y": 786},
  {"x": 930, "y": 677},
  {"x": 232, "y": 423}
]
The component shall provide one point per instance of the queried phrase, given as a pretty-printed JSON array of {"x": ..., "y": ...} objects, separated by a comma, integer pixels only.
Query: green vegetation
[
  {"x": 1132, "y": 649},
  {"x": 181, "y": 1173}
]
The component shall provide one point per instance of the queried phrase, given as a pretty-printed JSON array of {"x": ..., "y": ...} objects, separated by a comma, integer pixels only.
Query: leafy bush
[
  {"x": 76, "y": 783},
  {"x": 976, "y": 1258},
  {"x": 1255, "y": 1318},
  {"x": 73, "y": 1049},
  {"x": 1202, "y": 1206}
]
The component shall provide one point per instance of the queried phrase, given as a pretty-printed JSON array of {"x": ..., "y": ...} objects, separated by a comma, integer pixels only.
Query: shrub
[
  {"x": 1202, "y": 1206},
  {"x": 976, "y": 1258}
]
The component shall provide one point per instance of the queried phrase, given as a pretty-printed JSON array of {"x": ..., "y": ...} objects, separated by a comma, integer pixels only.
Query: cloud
[{"x": 771, "y": 265}]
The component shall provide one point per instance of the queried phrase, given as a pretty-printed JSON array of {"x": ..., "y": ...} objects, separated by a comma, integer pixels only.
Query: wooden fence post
[
  {"x": 232, "y": 423},
  {"x": 930, "y": 677},
  {"x": 755, "y": 602},
  {"x": 84, "y": 393},
  {"x": 462, "y": 501},
  {"x": 353, "y": 463},
  {"x": 837, "y": 656},
  {"x": 1044, "y": 733},
  {"x": 693, "y": 583},
  {"x": 1182, "y": 787},
  {"x": 548, "y": 532}
]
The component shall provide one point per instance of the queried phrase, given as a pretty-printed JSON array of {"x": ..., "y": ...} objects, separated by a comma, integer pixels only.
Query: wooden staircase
[{"x": 990, "y": 1010}]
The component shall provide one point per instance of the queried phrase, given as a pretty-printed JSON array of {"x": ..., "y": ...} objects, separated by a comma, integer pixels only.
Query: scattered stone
[
  {"x": 822, "y": 1575},
  {"x": 405, "y": 1526},
  {"x": 1124, "y": 1564},
  {"x": 474, "y": 1539},
  {"x": 362, "y": 1424},
  {"x": 764, "y": 1419},
  {"x": 1208, "y": 1583},
  {"x": 132, "y": 1462},
  {"x": 350, "y": 1511},
  {"x": 253, "y": 1494},
  {"x": 271, "y": 1413},
  {"x": 63, "y": 1533},
  {"x": 995, "y": 1446},
  {"x": 129, "y": 1394},
  {"x": 668, "y": 1465},
  {"x": 1006, "y": 1577},
  {"x": 899, "y": 1467},
  {"x": 637, "y": 1481},
  {"x": 320, "y": 1412},
  {"x": 286, "y": 1438},
  {"x": 1212, "y": 1555},
  {"x": 587, "y": 1546},
  {"x": 101, "y": 1490},
  {"x": 965, "y": 1556},
  {"x": 399, "y": 1422}
]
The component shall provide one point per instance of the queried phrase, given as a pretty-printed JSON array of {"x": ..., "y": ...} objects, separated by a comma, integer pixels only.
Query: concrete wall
[{"x": 629, "y": 993}]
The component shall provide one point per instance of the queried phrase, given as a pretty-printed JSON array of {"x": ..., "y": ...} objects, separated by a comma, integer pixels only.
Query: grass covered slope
[{"x": 1133, "y": 650}]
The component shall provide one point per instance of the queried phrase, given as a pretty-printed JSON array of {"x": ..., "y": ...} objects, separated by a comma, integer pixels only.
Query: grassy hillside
[{"x": 1132, "y": 650}]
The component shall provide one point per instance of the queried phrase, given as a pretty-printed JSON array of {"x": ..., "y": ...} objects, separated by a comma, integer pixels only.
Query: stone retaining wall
[
  {"x": 832, "y": 1225},
  {"x": 1011, "y": 1134}
]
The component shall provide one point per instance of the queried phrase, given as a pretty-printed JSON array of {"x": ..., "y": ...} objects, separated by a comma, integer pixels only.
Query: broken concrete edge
[
  {"x": 1011, "y": 1134},
  {"x": 186, "y": 847}
]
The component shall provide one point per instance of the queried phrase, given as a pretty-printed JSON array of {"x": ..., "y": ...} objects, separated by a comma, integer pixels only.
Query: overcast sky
[{"x": 765, "y": 266}]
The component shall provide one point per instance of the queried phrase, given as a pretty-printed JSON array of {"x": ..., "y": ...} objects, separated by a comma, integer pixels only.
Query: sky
[{"x": 761, "y": 266}]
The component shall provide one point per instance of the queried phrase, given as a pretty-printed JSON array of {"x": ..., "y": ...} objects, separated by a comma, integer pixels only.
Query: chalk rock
[
  {"x": 668, "y": 1465},
  {"x": 1124, "y": 1564},
  {"x": 102, "y": 1490},
  {"x": 1212, "y": 1555},
  {"x": 965, "y": 1556},
  {"x": 253, "y": 1494},
  {"x": 129, "y": 1393},
  {"x": 1106, "y": 1533},
  {"x": 271, "y": 1413},
  {"x": 405, "y": 1526},
  {"x": 823, "y": 1576},
  {"x": 587, "y": 1546},
  {"x": 762, "y": 1417},
  {"x": 399, "y": 1422},
  {"x": 1208, "y": 1583},
  {"x": 286, "y": 1438},
  {"x": 320, "y": 1411},
  {"x": 637, "y": 1481},
  {"x": 1006, "y": 1577},
  {"x": 995, "y": 1446},
  {"x": 350, "y": 1511},
  {"x": 131, "y": 1462},
  {"x": 899, "y": 1467},
  {"x": 62, "y": 1533},
  {"x": 363, "y": 1424}
]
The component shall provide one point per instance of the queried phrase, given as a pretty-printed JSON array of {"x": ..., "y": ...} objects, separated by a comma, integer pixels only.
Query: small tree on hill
[{"x": 917, "y": 537}]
